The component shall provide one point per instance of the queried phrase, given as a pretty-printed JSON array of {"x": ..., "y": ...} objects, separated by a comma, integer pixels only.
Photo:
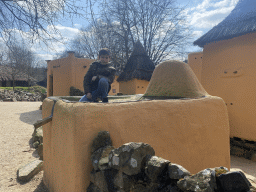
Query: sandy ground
[{"x": 16, "y": 128}]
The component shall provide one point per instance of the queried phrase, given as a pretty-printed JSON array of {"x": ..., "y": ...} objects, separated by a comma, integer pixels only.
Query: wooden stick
[{"x": 42, "y": 122}]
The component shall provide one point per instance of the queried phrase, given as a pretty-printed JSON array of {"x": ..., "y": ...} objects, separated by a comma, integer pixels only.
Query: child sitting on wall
[{"x": 98, "y": 79}]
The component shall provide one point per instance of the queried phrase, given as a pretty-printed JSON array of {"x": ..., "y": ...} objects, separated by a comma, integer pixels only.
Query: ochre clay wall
[
  {"x": 193, "y": 133},
  {"x": 134, "y": 86},
  {"x": 114, "y": 87},
  {"x": 228, "y": 71},
  {"x": 141, "y": 86},
  {"x": 79, "y": 68},
  {"x": 62, "y": 77},
  {"x": 127, "y": 87},
  {"x": 195, "y": 63}
]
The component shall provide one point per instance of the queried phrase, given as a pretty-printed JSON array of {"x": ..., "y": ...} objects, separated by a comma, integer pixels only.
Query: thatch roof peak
[
  {"x": 138, "y": 49},
  {"x": 138, "y": 66},
  {"x": 240, "y": 21}
]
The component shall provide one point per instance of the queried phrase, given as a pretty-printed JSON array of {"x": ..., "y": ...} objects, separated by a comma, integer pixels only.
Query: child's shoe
[{"x": 105, "y": 100}]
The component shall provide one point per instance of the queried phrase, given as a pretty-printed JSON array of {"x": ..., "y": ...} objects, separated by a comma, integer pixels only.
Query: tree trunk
[{"x": 13, "y": 84}]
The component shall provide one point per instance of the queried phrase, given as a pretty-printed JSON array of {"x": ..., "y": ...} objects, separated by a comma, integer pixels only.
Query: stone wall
[
  {"x": 133, "y": 167},
  {"x": 18, "y": 95}
]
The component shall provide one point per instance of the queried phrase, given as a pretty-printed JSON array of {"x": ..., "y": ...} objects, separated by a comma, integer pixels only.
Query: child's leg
[
  {"x": 84, "y": 98},
  {"x": 102, "y": 91}
]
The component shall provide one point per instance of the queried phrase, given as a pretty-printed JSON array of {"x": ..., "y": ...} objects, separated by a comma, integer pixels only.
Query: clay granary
[
  {"x": 137, "y": 72},
  {"x": 226, "y": 67}
]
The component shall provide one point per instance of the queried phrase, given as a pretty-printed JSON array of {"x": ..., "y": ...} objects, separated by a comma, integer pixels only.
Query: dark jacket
[{"x": 99, "y": 70}]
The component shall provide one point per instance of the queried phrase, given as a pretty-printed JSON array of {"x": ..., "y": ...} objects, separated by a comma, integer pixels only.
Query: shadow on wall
[{"x": 31, "y": 117}]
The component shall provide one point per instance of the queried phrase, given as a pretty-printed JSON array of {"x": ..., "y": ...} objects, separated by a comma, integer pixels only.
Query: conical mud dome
[{"x": 174, "y": 79}]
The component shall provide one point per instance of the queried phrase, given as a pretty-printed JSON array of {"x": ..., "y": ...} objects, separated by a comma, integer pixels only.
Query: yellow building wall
[
  {"x": 79, "y": 68},
  {"x": 141, "y": 86},
  {"x": 134, "y": 86},
  {"x": 195, "y": 63},
  {"x": 127, "y": 87},
  {"x": 228, "y": 71},
  {"x": 60, "y": 70},
  {"x": 114, "y": 87},
  {"x": 193, "y": 133}
]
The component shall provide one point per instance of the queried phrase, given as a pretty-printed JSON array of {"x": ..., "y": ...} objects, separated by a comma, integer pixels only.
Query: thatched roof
[
  {"x": 5, "y": 74},
  {"x": 240, "y": 21},
  {"x": 138, "y": 66}
]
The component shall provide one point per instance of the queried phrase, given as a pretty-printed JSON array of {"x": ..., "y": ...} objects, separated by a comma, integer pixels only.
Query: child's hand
[{"x": 94, "y": 78}]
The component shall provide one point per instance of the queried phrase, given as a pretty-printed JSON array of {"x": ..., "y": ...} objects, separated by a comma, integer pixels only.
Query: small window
[
  {"x": 114, "y": 91},
  {"x": 142, "y": 87},
  {"x": 138, "y": 87}
]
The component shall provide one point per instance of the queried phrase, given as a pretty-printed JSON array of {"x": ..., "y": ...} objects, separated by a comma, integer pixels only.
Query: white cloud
[
  {"x": 210, "y": 18},
  {"x": 64, "y": 35},
  {"x": 45, "y": 56},
  {"x": 78, "y": 26},
  {"x": 198, "y": 33},
  {"x": 210, "y": 12}
]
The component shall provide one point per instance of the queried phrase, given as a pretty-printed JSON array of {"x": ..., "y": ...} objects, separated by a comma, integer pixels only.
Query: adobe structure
[
  {"x": 70, "y": 71},
  {"x": 137, "y": 72},
  {"x": 226, "y": 68},
  {"x": 192, "y": 131}
]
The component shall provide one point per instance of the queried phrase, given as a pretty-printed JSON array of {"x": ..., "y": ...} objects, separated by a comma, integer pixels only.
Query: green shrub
[{"x": 75, "y": 92}]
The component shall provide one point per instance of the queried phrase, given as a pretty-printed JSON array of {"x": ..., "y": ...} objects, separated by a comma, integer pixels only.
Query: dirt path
[{"x": 16, "y": 128}]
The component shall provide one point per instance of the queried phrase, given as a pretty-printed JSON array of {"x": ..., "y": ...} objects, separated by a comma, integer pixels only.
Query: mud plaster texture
[{"x": 16, "y": 128}]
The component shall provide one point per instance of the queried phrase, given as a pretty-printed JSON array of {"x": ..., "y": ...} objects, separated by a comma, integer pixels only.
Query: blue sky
[{"x": 202, "y": 16}]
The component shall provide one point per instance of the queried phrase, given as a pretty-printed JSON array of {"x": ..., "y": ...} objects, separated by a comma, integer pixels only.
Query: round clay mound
[{"x": 174, "y": 79}]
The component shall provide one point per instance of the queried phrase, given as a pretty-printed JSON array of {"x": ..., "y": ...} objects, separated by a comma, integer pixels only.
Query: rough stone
[
  {"x": 156, "y": 168},
  {"x": 144, "y": 188},
  {"x": 98, "y": 179},
  {"x": 130, "y": 157},
  {"x": 35, "y": 144},
  {"x": 101, "y": 140},
  {"x": 177, "y": 171},
  {"x": 38, "y": 135},
  {"x": 100, "y": 158},
  {"x": 25, "y": 173},
  {"x": 40, "y": 151},
  {"x": 202, "y": 181},
  {"x": 93, "y": 188},
  {"x": 253, "y": 157},
  {"x": 233, "y": 182},
  {"x": 16, "y": 95},
  {"x": 109, "y": 175},
  {"x": 123, "y": 182},
  {"x": 170, "y": 188}
]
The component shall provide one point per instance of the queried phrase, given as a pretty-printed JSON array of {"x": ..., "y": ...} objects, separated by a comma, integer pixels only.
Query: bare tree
[
  {"x": 160, "y": 26},
  {"x": 94, "y": 37},
  {"x": 35, "y": 18},
  {"x": 20, "y": 59}
]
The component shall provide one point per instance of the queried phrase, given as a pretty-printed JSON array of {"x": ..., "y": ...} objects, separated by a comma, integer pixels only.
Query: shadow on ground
[
  {"x": 31, "y": 117},
  {"x": 41, "y": 187}
]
